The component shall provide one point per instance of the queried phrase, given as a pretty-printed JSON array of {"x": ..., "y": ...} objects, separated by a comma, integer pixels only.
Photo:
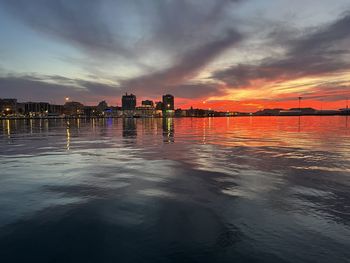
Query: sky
[{"x": 237, "y": 55}]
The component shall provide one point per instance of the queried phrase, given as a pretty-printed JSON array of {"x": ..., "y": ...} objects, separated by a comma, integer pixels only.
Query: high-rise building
[
  {"x": 128, "y": 102},
  {"x": 168, "y": 102}
]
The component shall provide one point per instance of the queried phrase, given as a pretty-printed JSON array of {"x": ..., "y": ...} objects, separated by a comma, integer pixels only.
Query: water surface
[{"x": 250, "y": 189}]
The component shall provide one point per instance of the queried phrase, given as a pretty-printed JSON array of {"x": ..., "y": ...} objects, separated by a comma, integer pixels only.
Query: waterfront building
[
  {"x": 159, "y": 105},
  {"x": 168, "y": 105},
  {"x": 90, "y": 111},
  {"x": 8, "y": 106},
  {"x": 36, "y": 108},
  {"x": 180, "y": 113},
  {"x": 117, "y": 111},
  {"x": 268, "y": 112},
  {"x": 147, "y": 103},
  {"x": 345, "y": 111},
  {"x": 128, "y": 102},
  {"x": 102, "y": 106},
  {"x": 168, "y": 102},
  {"x": 73, "y": 108},
  {"x": 56, "y": 110},
  {"x": 145, "y": 111}
]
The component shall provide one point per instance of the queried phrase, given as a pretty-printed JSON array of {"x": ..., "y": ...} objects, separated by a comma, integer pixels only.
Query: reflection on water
[
  {"x": 254, "y": 189},
  {"x": 68, "y": 134},
  {"x": 129, "y": 127},
  {"x": 168, "y": 130}
]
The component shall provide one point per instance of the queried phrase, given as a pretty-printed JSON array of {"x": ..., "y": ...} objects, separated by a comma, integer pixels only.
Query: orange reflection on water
[{"x": 305, "y": 131}]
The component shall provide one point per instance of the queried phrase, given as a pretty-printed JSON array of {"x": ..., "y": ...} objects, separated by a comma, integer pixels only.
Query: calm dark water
[{"x": 274, "y": 189}]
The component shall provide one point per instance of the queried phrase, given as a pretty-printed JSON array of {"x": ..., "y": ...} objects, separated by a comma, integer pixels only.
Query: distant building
[
  {"x": 117, "y": 111},
  {"x": 73, "y": 108},
  {"x": 199, "y": 113},
  {"x": 36, "y": 108},
  {"x": 102, "y": 106},
  {"x": 268, "y": 112},
  {"x": 180, "y": 113},
  {"x": 345, "y": 111},
  {"x": 159, "y": 105},
  {"x": 56, "y": 110},
  {"x": 90, "y": 111},
  {"x": 145, "y": 111},
  {"x": 8, "y": 106},
  {"x": 329, "y": 112},
  {"x": 304, "y": 111},
  {"x": 147, "y": 103},
  {"x": 128, "y": 102},
  {"x": 168, "y": 102}
]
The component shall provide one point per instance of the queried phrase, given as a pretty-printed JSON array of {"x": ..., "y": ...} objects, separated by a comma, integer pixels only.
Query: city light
[{"x": 66, "y": 98}]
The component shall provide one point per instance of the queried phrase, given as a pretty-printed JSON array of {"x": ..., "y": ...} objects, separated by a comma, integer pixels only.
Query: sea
[{"x": 226, "y": 189}]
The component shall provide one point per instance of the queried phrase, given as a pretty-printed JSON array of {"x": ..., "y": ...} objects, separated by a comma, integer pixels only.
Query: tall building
[
  {"x": 168, "y": 102},
  {"x": 128, "y": 102}
]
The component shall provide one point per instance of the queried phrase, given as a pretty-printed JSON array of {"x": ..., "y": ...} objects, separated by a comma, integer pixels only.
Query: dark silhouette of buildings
[
  {"x": 8, "y": 106},
  {"x": 128, "y": 102},
  {"x": 102, "y": 106},
  {"x": 147, "y": 103},
  {"x": 73, "y": 108},
  {"x": 159, "y": 105},
  {"x": 168, "y": 102},
  {"x": 36, "y": 108}
]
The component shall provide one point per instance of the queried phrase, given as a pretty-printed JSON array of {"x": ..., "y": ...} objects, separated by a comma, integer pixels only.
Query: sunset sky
[{"x": 241, "y": 55}]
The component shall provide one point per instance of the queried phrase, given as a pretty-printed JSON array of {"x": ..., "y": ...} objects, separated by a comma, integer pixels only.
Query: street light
[{"x": 66, "y": 98}]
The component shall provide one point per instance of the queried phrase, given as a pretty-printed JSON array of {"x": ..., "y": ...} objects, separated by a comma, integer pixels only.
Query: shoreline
[{"x": 158, "y": 117}]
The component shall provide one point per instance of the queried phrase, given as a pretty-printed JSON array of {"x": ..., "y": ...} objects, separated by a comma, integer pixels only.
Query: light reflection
[
  {"x": 8, "y": 128},
  {"x": 68, "y": 135},
  {"x": 168, "y": 130},
  {"x": 31, "y": 126},
  {"x": 204, "y": 132},
  {"x": 346, "y": 121}
]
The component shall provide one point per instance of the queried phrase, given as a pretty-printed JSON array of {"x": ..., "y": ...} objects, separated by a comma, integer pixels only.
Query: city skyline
[{"x": 224, "y": 55}]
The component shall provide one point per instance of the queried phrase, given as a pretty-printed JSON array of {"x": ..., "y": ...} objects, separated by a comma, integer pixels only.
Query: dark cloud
[
  {"x": 189, "y": 33},
  {"x": 280, "y": 69},
  {"x": 76, "y": 22},
  {"x": 184, "y": 69},
  {"x": 197, "y": 90},
  {"x": 324, "y": 40},
  {"x": 53, "y": 88},
  {"x": 106, "y": 27},
  {"x": 328, "y": 93},
  {"x": 322, "y": 51}
]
